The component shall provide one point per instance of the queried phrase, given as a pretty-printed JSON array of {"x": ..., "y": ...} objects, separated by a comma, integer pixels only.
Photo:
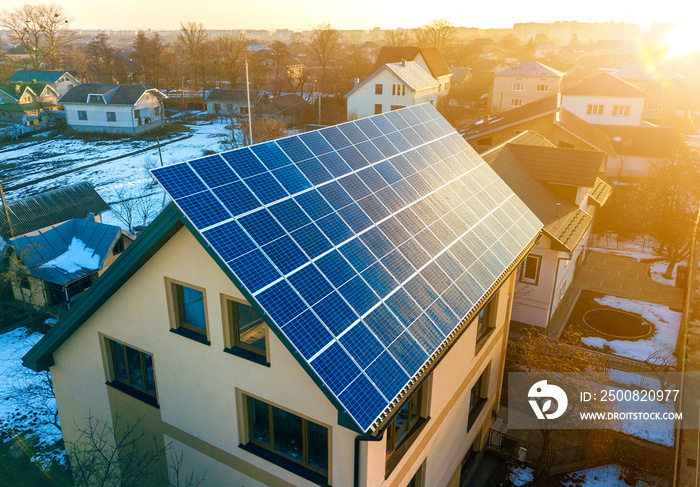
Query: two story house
[
  {"x": 662, "y": 87},
  {"x": 562, "y": 187},
  {"x": 104, "y": 107},
  {"x": 428, "y": 58},
  {"x": 330, "y": 308},
  {"x": 60, "y": 81},
  {"x": 391, "y": 87},
  {"x": 25, "y": 103},
  {"x": 522, "y": 84}
]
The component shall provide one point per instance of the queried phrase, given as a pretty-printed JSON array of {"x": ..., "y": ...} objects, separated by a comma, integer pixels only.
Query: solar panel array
[{"x": 366, "y": 243}]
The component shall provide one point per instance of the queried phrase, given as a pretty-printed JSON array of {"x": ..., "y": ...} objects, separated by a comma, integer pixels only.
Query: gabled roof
[
  {"x": 604, "y": 84},
  {"x": 531, "y": 68},
  {"x": 433, "y": 59},
  {"x": 112, "y": 94},
  {"x": 600, "y": 192},
  {"x": 647, "y": 71},
  {"x": 564, "y": 223},
  {"x": 36, "y": 88},
  {"x": 459, "y": 73},
  {"x": 410, "y": 72},
  {"x": 529, "y": 111},
  {"x": 587, "y": 132},
  {"x": 51, "y": 208},
  {"x": 284, "y": 105},
  {"x": 68, "y": 251},
  {"x": 558, "y": 165},
  {"x": 28, "y": 76},
  {"x": 223, "y": 94},
  {"x": 643, "y": 141}
]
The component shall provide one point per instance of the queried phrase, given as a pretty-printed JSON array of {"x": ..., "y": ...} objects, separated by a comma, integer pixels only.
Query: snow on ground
[
  {"x": 666, "y": 322},
  {"x": 31, "y": 415},
  {"x": 76, "y": 257},
  {"x": 603, "y": 476},
  {"x": 635, "y": 254},
  {"x": 659, "y": 431},
  {"x": 521, "y": 475},
  {"x": 657, "y": 269},
  {"x": 634, "y": 379}
]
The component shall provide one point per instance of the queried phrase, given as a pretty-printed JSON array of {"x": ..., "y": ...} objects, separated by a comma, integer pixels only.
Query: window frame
[
  {"x": 486, "y": 318},
  {"x": 378, "y": 89},
  {"x": 527, "y": 280},
  {"x": 254, "y": 446},
  {"x": 542, "y": 88},
  {"x": 595, "y": 109},
  {"x": 621, "y": 110},
  {"x": 378, "y": 108},
  {"x": 113, "y": 118},
  {"x": 176, "y": 312},
  {"x": 419, "y": 403},
  {"x": 476, "y": 407},
  {"x": 232, "y": 342},
  {"x": 113, "y": 379},
  {"x": 82, "y": 115},
  {"x": 119, "y": 246},
  {"x": 654, "y": 105},
  {"x": 518, "y": 85},
  {"x": 516, "y": 102}
]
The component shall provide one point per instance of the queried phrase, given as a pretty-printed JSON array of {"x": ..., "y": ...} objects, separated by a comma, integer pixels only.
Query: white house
[
  {"x": 392, "y": 86},
  {"x": 101, "y": 107},
  {"x": 61, "y": 81},
  {"x": 605, "y": 99},
  {"x": 429, "y": 58},
  {"x": 562, "y": 187},
  {"x": 522, "y": 84},
  {"x": 360, "y": 343},
  {"x": 227, "y": 102}
]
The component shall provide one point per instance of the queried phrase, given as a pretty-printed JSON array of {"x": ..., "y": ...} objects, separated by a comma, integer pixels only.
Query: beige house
[
  {"x": 522, "y": 84},
  {"x": 250, "y": 381},
  {"x": 662, "y": 87},
  {"x": 61, "y": 81},
  {"x": 27, "y": 103},
  {"x": 562, "y": 187}
]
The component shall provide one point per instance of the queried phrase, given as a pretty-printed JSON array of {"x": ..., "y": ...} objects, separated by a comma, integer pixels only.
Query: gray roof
[
  {"x": 29, "y": 76},
  {"x": 51, "y": 208},
  {"x": 221, "y": 94},
  {"x": 647, "y": 71},
  {"x": 410, "y": 72},
  {"x": 112, "y": 94},
  {"x": 531, "y": 68},
  {"x": 68, "y": 251}
]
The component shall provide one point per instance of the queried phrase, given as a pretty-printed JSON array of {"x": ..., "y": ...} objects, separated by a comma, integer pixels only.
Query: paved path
[{"x": 619, "y": 276}]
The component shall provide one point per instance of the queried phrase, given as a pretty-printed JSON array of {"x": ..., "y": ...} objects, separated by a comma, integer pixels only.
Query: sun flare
[{"x": 683, "y": 40}]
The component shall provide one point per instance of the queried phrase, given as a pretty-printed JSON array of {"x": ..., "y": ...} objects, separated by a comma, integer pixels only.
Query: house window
[
  {"x": 654, "y": 105},
  {"x": 95, "y": 99},
  {"x": 24, "y": 282},
  {"x": 217, "y": 107},
  {"x": 594, "y": 110},
  {"x": 111, "y": 116},
  {"x": 621, "y": 110},
  {"x": 247, "y": 332},
  {"x": 486, "y": 319},
  {"x": 188, "y": 311},
  {"x": 82, "y": 115},
  {"x": 377, "y": 109},
  {"x": 293, "y": 440},
  {"x": 516, "y": 102},
  {"x": 393, "y": 89},
  {"x": 478, "y": 396},
  {"x": 542, "y": 87},
  {"x": 405, "y": 423},
  {"x": 397, "y": 107},
  {"x": 118, "y": 247},
  {"x": 403, "y": 90},
  {"x": 518, "y": 85},
  {"x": 76, "y": 287},
  {"x": 132, "y": 371},
  {"x": 378, "y": 88},
  {"x": 530, "y": 269}
]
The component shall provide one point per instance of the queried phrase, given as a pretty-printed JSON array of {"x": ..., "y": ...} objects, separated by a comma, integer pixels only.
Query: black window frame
[
  {"x": 302, "y": 468},
  {"x": 235, "y": 345},
  {"x": 486, "y": 318},
  {"x": 118, "y": 246},
  {"x": 142, "y": 393},
  {"x": 478, "y": 397},
  {"x": 524, "y": 267},
  {"x": 82, "y": 115},
  {"x": 179, "y": 325},
  {"x": 397, "y": 448},
  {"x": 113, "y": 116}
]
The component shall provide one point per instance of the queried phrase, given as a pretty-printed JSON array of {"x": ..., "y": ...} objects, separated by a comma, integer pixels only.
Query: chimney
[
  {"x": 486, "y": 118},
  {"x": 558, "y": 206},
  {"x": 403, "y": 62},
  {"x": 17, "y": 89},
  {"x": 357, "y": 81},
  {"x": 90, "y": 217}
]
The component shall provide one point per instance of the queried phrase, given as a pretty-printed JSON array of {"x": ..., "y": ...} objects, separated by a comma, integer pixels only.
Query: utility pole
[
  {"x": 250, "y": 113},
  {"x": 7, "y": 212},
  {"x": 160, "y": 154},
  {"x": 318, "y": 95}
]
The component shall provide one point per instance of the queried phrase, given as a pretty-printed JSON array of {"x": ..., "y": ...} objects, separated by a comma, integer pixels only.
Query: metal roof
[
  {"x": 112, "y": 94},
  {"x": 531, "y": 68},
  {"x": 28, "y": 76}
]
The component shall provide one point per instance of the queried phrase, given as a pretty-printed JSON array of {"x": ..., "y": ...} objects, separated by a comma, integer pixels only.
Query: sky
[{"x": 354, "y": 14}]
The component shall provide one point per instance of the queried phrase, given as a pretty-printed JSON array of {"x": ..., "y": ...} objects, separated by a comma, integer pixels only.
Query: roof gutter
[{"x": 356, "y": 469}]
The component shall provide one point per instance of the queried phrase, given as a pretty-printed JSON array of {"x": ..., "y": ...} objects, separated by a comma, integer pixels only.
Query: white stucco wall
[
  {"x": 503, "y": 91},
  {"x": 578, "y": 105},
  {"x": 125, "y": 116}
]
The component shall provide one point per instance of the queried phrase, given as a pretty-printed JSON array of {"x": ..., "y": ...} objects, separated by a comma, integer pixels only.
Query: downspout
[{"x": 358, "y": 439}]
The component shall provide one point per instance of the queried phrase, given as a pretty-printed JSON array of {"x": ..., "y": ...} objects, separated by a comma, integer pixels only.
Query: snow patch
[
  {"x": 657, "y": 269},
  {"x": 638, "y": 255},
  {"x": 667, "y": 324},
  {"x": 77, "y": 256},
  {"x": 521, "y": 475}
]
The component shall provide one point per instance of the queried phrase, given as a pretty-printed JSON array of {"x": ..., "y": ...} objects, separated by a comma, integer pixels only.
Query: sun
[{"x": 682, "y": 40}]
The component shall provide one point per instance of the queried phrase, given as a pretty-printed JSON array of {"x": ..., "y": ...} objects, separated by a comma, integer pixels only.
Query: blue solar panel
[{"x": 365, "y": 264}]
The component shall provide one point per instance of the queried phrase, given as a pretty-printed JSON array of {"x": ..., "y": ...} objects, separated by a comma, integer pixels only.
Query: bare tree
[
  {"x": 197, "y": 50},
  {"x": 230, "y": 50},
  {"x": 397, "y": 38},
  {"x": 436, "y": 33},
  {"x": 279, "y": 52},
  {"x": 136, "y": 209},
  {"x": 324, "y": 42},
  {"x": 43, "y": 30}
]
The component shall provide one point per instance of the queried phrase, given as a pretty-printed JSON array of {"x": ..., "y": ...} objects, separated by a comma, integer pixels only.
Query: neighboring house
[
  {"x": 561, "y": 187},
  {"x": 662, "y": 87},
  {"x": 337, "y": 330},
  {"x": 605, "y": 99},
  {"x": 461, "y": 76},
  {"x": 546, "y": 50},
  {"x": 27, "y": 102},
  {"x": 561, "y": 127},
  {"x": 225, "y": 102},
  {"x": 290, "y": 68},
  {"x": 428, "y": 58},
  {"x": 61, "y": 81},
  {"x": 102, "y": 107},
  {"x": 50, "y": 267},
  {"x": 51, "y": 208},
  {"x": 635, "y": 147},
  {"x": 392, "y": 86},
  {"x": 522, "y": 84},
  {"x": 291, "y": 109}
]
